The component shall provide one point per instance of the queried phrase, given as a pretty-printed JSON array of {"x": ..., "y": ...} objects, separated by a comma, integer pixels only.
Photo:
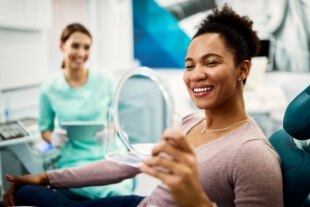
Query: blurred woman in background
[{"x": 77, "y": 94}]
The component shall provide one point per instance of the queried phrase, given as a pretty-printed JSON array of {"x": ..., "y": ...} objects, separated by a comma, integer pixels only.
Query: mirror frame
[{"x": 154, "y": 76}]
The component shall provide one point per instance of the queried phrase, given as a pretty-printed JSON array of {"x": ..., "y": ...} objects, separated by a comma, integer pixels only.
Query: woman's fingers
[
  {"x": 11, "y": 198},
  {"x": 172, "y": 156},
  {"x": 8, "y": 197},
  {"x": 16, "y": 182},
  {"x": 162, "y": 174},
  {"x": 163, "y": 162},
  {"x": 9, "y": 178},
  {"x": 170, "y": 160},
  {"x": 177, "y": 139},
  {"x": 173, "y": 174},
  {"x": 169, "y": 151},
  {"x": 15, "y": 179},
  {"x": 173, "y": 159}
]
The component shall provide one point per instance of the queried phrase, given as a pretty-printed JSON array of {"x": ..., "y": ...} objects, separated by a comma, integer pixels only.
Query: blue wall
[{"x": 159, "y": 42}]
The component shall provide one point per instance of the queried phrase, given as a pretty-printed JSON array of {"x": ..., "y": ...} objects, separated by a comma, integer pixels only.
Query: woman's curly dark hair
[{"x": 236, "y": 31}]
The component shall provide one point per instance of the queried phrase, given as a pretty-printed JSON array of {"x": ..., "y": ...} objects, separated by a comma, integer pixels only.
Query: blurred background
[{"x": 153, "y": 33}]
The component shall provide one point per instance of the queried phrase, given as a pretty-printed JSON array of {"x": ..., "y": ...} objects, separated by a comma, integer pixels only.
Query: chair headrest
[{"x": 297, "y": 116}]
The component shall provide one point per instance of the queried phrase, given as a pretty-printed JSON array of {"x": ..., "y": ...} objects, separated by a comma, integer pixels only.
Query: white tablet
[{"x": 82, "y": 129}]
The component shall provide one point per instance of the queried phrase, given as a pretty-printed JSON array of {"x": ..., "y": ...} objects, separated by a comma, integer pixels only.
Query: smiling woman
[
  {"x": 75, "y": 45},
  {"x": 230, "y": 164},
  {"x": 77, "y": 94}
]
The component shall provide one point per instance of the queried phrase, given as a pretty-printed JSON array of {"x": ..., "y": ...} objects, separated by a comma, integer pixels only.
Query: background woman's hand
[
  {"x": 18, "y": 181},
  {"x": 174, "y": 162},
  {"x": 59, "y": 137}
]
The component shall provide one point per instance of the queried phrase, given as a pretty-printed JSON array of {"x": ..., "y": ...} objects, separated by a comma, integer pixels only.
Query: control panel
[{"x": 11, "y": 130}]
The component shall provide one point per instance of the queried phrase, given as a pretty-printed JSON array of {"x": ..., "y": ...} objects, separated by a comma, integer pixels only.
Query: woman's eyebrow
[
  {"x": 211, "y": 55},
  {"x": 205, "y": 56}
]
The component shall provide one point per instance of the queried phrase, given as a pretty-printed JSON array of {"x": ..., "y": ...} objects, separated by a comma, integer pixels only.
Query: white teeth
[{"x": 198, "y": 90}]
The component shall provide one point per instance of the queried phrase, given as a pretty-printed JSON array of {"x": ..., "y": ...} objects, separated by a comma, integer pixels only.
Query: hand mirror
[{"x": 142, "y": 109}]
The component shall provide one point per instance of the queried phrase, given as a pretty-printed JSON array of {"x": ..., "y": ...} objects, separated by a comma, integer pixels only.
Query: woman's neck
[
  {"x": 218, "y": 122},
  {"x": 226, "y": 116},
  {"x": 76, "y": 78}
]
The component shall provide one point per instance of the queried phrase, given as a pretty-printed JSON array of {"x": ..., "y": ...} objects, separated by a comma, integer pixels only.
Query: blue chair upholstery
[{"x": 295, "y": 161}]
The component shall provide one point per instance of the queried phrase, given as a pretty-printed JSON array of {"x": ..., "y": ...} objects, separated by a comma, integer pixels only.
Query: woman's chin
[{"x": 204, "y": 106}]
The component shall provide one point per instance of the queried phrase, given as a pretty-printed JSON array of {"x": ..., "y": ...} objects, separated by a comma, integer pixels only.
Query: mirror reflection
[{"x": 141, "y": 111}]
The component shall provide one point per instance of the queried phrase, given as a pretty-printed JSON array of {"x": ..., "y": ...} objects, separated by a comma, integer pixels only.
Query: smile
[{"x": 205, "y": 89}]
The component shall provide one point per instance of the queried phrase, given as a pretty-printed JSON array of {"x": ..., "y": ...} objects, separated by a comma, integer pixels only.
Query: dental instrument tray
[{"x": 11, "y": 130}]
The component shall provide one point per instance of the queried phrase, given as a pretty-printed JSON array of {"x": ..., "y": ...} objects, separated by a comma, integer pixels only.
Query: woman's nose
[
  {"x": 81, "y": 51},
  {"x": 198, "y": 74}
]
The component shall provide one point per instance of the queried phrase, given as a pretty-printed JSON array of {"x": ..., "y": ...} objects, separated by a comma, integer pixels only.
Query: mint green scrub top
[{"x": 90, "y": 102}]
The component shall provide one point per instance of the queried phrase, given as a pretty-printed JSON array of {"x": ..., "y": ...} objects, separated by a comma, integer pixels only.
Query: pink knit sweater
[{"x": 239, "y": 169}]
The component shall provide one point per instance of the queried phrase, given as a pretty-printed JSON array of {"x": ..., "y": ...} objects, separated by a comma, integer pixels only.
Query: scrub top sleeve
[{"x": 46, "y": 113}]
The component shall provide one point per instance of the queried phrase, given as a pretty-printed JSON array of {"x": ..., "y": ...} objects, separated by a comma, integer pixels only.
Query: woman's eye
[
  {"x": 189, "y": 67},
  {"x": 75, "y": 46},
  {"x": 212, "y": 63}
]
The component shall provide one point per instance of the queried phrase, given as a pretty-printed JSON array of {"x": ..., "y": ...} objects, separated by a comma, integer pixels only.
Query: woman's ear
[
  {"x": 61, "y": 46},
  {"x": 245, "y": 67}
]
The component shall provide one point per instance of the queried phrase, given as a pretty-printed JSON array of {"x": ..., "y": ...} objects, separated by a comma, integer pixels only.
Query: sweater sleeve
[
  {"x": 257, "y": 176},
  {"x": 97, "y": 173}
]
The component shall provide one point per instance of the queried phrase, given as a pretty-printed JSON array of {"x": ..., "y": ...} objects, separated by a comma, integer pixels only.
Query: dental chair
[{"x": 294, "y": 151}]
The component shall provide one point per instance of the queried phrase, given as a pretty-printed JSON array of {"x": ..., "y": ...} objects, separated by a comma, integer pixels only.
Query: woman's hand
[
  {"x": 18, "y": 181},
  {"x": 174, "y": 163}
]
